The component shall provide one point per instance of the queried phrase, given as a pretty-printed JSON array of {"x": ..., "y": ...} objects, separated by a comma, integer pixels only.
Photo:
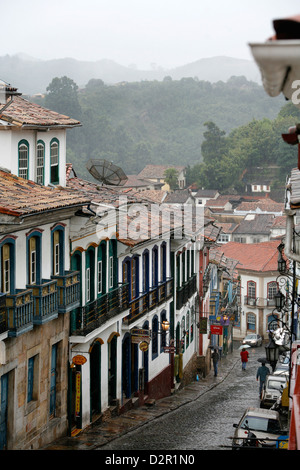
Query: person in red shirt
[{"x": 244, "y": 358}]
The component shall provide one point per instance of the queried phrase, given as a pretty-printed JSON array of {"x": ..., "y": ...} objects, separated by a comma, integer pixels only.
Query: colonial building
[
  {"x": 39, "y": 288},
  {"x": 257, "y": 268},
  {"x": 99, "y": 303}
]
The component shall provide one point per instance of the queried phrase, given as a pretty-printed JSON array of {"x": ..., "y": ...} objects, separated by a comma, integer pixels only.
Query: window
[
  {"x": 88, "y": 284},
  {"x": 34, "y": 256},
  {"x": 251, "y": 322},
  {"x": 163, "y": 342},
  {"x": 154, "y": 337},
  {"x": 240, "y": 239},
  {"x": 187, "y": 329},
  {"x": 6, "y": 271},
  {"x": 23, "y": 159},
  {"x": 99, "y": 277},
  {"x": 56, "y": 253},
  {"x": 163, "y": 262},
  {"x": 54, "y": 160},
  {"x": 90, "y": 273},
  {"x": 272, "y": 289},
  {"x": 101, "y": 269},
  {"x": 223, "y": 238},
  {"x": 53, "y": 380},
  {"x": 145, "y": 266},
  {"x": 40, "y": 159},
  {"x": 251, "y": 289},
  {"x": 32, "y": 260},
  {"x": 154, "y": 267},
  {"x": 111, "y": 272},
  {"x": 32, "y": 381}
]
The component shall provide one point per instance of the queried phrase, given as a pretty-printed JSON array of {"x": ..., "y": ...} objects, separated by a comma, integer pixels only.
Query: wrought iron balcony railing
[
  {"x": 186, "y": 291},
  {"x": 149, "y": 300},
  {"x": 68, "y": 287},
  {"x": 19, "y": 311},
  {"x": 45, "y": 301},
  {"x": 94, "y": 314}
]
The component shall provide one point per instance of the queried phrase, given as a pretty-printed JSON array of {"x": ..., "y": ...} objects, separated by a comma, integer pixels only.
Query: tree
[
  {"x": 171, "y": 178},
  {"x": 62, "y": 97}
]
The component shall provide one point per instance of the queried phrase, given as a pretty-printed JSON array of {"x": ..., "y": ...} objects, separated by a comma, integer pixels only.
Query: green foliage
[
  {"x": 171, "y": 178},
  {"x": 256, "y": 144},
  {"x": 135, "y": 124}
]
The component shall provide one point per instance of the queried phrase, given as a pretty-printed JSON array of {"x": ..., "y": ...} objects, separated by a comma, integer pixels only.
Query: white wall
[{"x": 9, "y": 141}]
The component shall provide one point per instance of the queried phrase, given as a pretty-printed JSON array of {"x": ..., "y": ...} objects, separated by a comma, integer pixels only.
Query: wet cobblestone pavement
[{"x": 99, "y": 436}]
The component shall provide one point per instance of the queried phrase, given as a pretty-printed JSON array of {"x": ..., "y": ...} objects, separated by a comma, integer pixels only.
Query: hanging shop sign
[
  {"x": 144, "y": 346},
  {"x": 203, "y": 325},
  {"x": 79, "y": 360},
  {"x": 139, "y": 335},
  {"x": 77, "y": 393},
  {"x": 216, "y": 329},
  {"x": 169, "y": 349}
]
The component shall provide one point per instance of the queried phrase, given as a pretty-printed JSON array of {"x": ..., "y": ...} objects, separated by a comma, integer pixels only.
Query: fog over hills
[{"x": 32, "y": 75}]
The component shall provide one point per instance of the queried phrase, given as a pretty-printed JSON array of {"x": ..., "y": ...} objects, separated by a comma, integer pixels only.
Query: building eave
[{"x": 279, "y": 64}]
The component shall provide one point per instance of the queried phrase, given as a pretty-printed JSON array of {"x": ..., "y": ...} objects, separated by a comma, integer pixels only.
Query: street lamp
[
  {"x": 272, "y": 352},
  {"x": 279, "y": 300},
  {"x": 281, "y": 262},
  {"x": 165, "y": 325}
]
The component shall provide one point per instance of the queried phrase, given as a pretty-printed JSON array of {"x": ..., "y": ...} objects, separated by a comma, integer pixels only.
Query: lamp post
[
  {"x": 272, "y": 352},
  {"x": 279, "y": 300}
]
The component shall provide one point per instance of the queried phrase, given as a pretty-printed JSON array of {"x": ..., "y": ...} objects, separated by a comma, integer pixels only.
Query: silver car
[
  {"x": 265, "y": 424},
  {"x": 252, "y": 340},
  {"x": 272, "y": 389}
]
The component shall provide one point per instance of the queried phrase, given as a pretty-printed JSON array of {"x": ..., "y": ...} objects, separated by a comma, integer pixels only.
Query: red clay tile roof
[
  {"x": 21, "y": 112},
  {"x": 157, "y": 171},
  {"x": 19, "y": 197},
  {"x": 260, "y": 257},
  {"x": 266, "y": 205}
]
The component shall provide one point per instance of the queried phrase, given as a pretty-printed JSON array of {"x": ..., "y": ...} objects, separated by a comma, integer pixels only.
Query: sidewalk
[{"x": 99, "y": 434}]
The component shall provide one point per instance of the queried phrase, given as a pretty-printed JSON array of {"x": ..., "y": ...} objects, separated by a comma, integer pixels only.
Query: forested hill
[{"x": 134, "y": 124}]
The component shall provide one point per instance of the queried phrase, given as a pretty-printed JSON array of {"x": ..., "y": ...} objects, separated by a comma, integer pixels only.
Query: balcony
[
  {"x": 19, "y": 312},
  {"x": 45, "y": 296},
  {"x": 186, "y": 291},
  {"x": 3, "y": 314},
  {"x": 94, "y": 314},
  {"x": 148, "y": 301},
  {"x": 259, "y": 302},
  {"x": 68, "y": 287}
]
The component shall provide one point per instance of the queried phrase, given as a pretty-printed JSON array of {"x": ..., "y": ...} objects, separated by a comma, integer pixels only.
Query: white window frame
[
  {"x": 99, "y": 276},
  {"x": 88, "y": 284},
  {"x": 23, "y": 160},
  {"x": 40, "y": 162},
  {"x": 111, "y": 272},
  {"x": 33, "y": 267}
]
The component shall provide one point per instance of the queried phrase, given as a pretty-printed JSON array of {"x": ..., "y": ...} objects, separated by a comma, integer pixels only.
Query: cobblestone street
[{"x": 200, "y": 416}]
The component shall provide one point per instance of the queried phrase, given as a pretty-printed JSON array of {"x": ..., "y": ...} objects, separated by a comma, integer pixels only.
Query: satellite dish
[{"x": 106, "y": 172}]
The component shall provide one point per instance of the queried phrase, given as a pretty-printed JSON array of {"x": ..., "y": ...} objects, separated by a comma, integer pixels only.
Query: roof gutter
[{"x": 47, "y": 211}]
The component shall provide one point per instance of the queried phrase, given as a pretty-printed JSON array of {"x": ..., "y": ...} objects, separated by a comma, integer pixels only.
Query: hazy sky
[{"x": 142, "y": 32}]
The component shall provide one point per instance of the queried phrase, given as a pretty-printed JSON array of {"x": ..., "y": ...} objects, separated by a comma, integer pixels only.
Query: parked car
[
  {"x": 272, "y": 389},
  {"x": 283, "y": 365},
  {"x": 264, "y": 424},
  {"x": 252, "y": 340}
]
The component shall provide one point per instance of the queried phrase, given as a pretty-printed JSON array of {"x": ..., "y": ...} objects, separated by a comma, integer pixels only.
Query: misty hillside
[
  {"x": 159, "y": 122},
  {"x": 33, "y": 76}
]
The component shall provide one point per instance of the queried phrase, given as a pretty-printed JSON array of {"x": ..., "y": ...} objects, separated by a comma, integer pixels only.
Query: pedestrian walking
[
  {"x": 215, "y": 358},
  {"x": 244, "y": 358},
  {"x": 262, "y": 372}
]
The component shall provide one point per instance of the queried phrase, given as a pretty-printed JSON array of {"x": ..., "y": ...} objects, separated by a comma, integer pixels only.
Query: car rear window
[
  {"x": 276, "y": 384},
  {"x": 261, "y": 424}
]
